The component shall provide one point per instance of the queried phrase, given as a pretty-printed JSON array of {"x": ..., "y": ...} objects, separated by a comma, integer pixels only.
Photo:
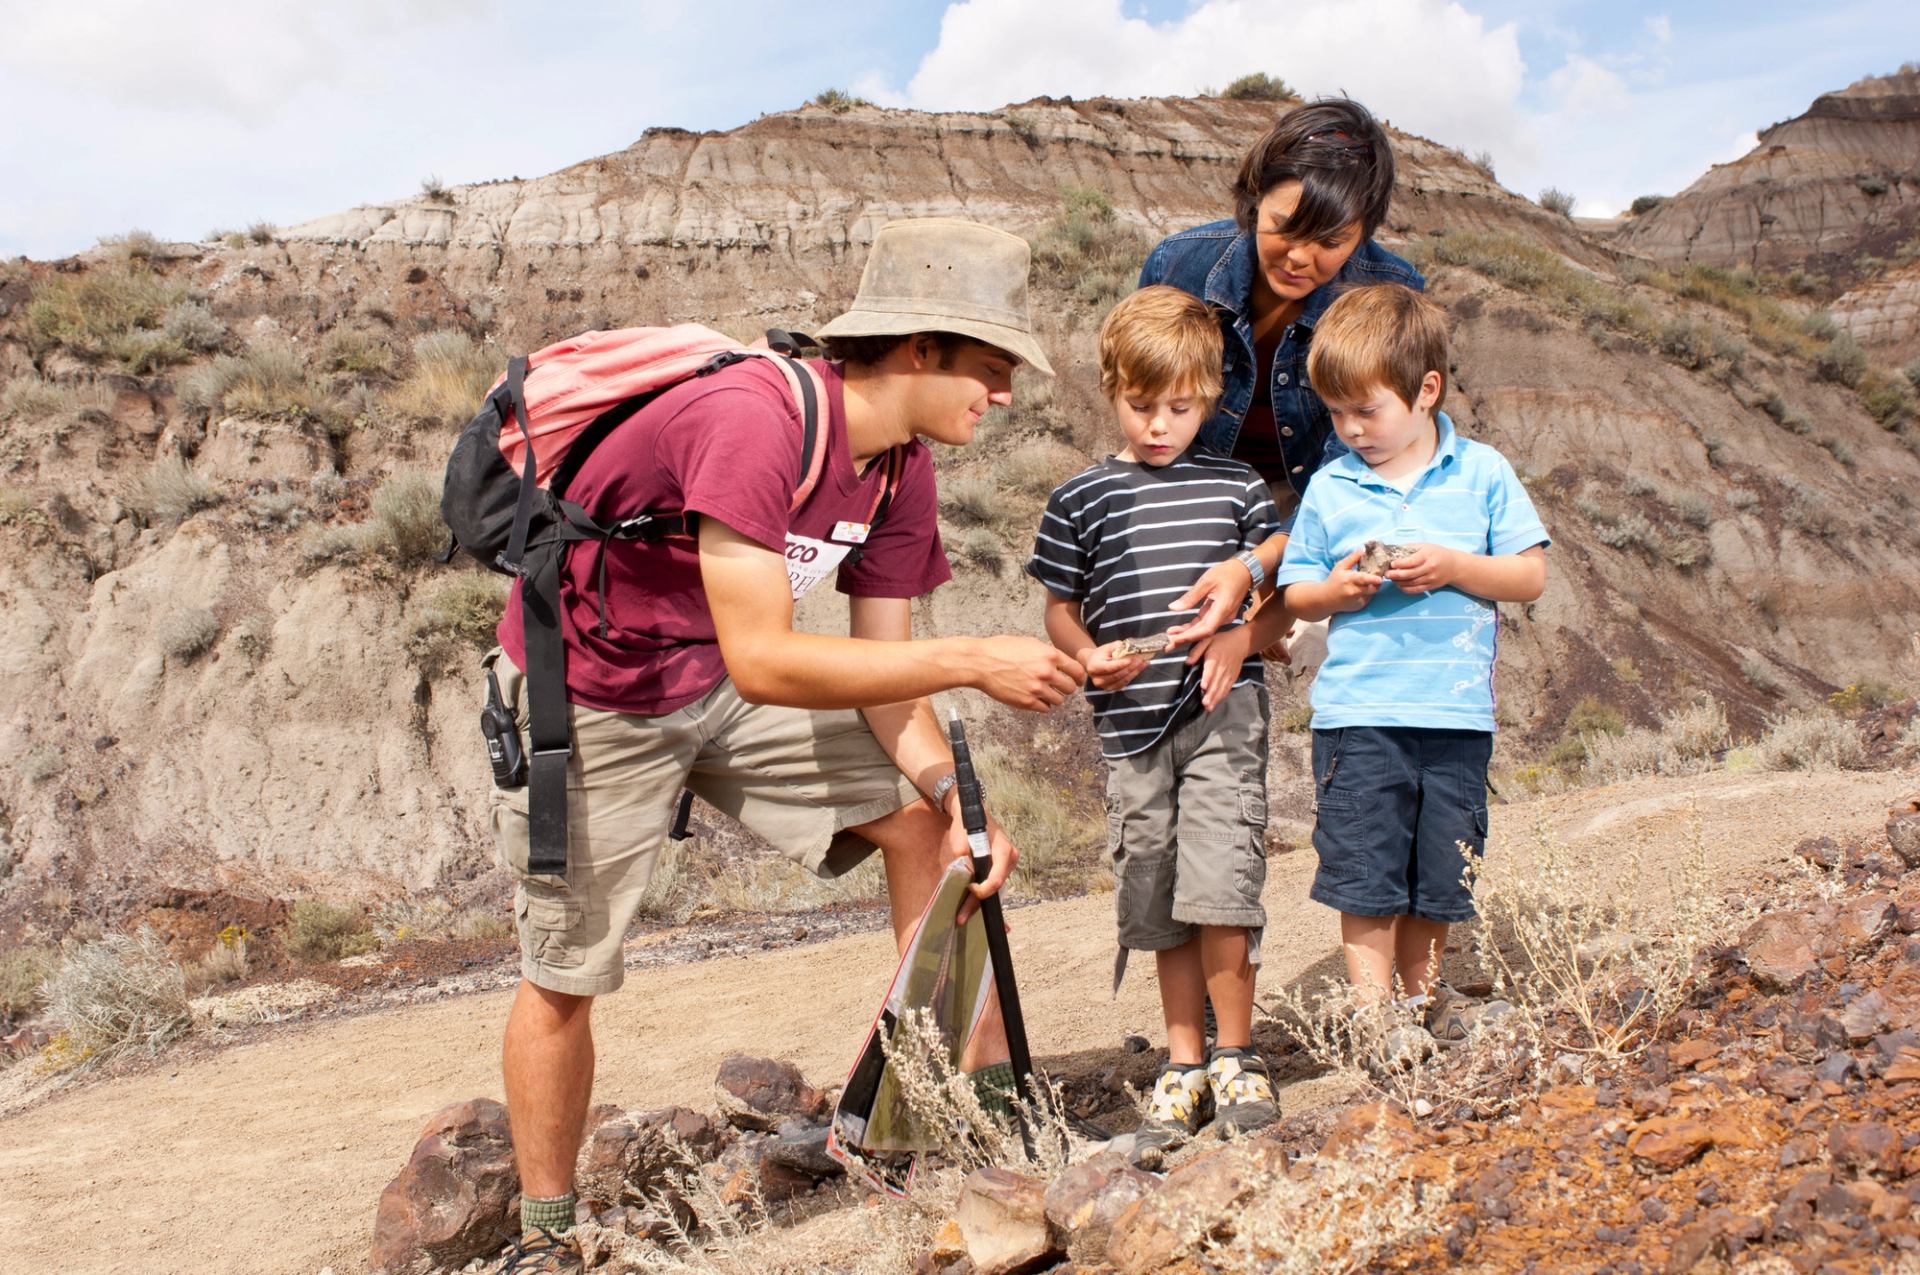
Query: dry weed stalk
[
  {"x": 1332, "y": 1214},
  {"x": 1580, "y": 955}
]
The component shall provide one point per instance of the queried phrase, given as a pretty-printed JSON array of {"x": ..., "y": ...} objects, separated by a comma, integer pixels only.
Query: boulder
[
  {"x": 1084, "y": 1202},
  {"x": 1780, "y": 950},
  {"x": 758, "y": 1093},
  {"x": 627, "y": 1160},
  {"x": 1199, "y": 1198},
  {"x": 458, "y": 1197},
  {"x": 1002, "y": 1217}
]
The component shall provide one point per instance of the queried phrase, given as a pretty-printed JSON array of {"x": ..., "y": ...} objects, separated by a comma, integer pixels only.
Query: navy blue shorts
[{"x": 1393, "y": 804}]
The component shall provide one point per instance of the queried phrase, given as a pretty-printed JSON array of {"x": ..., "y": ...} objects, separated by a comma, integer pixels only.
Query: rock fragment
[
  {"x": 1002, "y": 1216},
  {"x": 1664, "y": 1143},
  {"x": 457, "y": 1198},
  {"x": 1903, "y": 829},
  {"x": 758, "y": 1093},
  {"x": 1084, "y": 1202},
  {"x": 1780, "y": 951}
]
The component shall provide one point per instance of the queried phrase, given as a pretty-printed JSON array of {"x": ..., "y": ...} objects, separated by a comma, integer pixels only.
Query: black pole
[{"x": 973, "y": 816}]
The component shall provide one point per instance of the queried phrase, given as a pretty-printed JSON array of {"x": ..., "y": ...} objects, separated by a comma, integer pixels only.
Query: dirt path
[{"x": 269, "y": 1157}]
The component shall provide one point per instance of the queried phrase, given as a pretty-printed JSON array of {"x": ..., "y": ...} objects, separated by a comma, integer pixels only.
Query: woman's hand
[
  {"x": 1427, "y": 568},
  {"x": 1219, "y": 594},
  {"x": 1108, "y": 669}
]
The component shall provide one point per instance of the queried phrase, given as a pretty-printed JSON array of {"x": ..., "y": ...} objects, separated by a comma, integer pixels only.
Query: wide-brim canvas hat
[{"x": 941, "y": 274}]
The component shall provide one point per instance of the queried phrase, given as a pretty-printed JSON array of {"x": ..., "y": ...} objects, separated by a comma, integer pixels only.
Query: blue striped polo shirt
[{"x": 1411, "y": 659}]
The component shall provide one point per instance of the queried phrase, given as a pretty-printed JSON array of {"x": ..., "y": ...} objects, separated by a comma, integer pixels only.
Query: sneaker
[
  {"x": 1452, "y": 1016},
  {"x": 542, "y": 1252},
  {"x": 1182, "y": 1101},
  {"x": 1242, "y": 1092}
]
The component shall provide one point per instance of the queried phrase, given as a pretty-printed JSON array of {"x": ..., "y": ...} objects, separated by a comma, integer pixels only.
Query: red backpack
[{"x": 505, "y": 502}]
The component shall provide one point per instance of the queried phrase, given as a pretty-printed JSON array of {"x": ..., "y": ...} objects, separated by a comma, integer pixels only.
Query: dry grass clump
[
  {"x": 186, "y": 633},
  {"x": 1060, "y": 830},
  {"x": 1337, "y": 1212},
  {"x": 357, "y": 352},
  {"x": 118, "y": 994},
  {"x": 1685, "y": 743},
  {"x": 269, "y": 380},
  {"x": 1555, "y": 200},
  {"x": 22, "y": 973},
  {"x": 838, "y": 101},
  {"x": 33, "y": 398},
  {"x": 458, "y": 619},
  {"x": 982, "y": 549},
  {"x": 972, "y": 500},
  {"x": 1088, "y": 250},
  {"x": 1035, "y": 468},
  {"x": 449, "y": 377},
  {"x": 85, "y": 313},
  {"x": 169, "y": 489},
  {"x": 1816, "y": 739},
  {"x": 406, "y": 523},
  {"x": 321, "y": 931},
  {"x": 1541, "y": 272},
  {"x": 227, "y": 961}
]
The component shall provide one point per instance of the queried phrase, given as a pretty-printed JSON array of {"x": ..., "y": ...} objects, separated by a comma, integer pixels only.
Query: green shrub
[
  {"x": 405, "y": 522},
  {"x": 449, "y": 377},
  {"x": 22, "y": 972},
  {"x": 1258, "y": 87},
  {"x": 1886, "y": 398},
  {"x": 1555, "y": 200},
  {"x": 185, "y": 634},
  {"x": 320, "y": 931},
  {"x": 1646, "y": 204},
  {"x": 1862, "y": 697},
  {"x": 168, "y": 490},
  {"x": 837, "y": 101},
  {"x": 1088, "y": 250},
  {"x": 1843, "y": 360},
  {"x": 142, "y": 351},
  {"x": 1591, "y": 717},
  {"x": 1686, "y": 343},
  {"x": 1528, "y": 267},
  {"x": 357, "y": 352}
]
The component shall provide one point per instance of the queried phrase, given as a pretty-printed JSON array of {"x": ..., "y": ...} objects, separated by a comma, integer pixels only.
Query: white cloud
[
  {"x": 1660, "y": 27},
  {"x": 1431, "y": 67}
]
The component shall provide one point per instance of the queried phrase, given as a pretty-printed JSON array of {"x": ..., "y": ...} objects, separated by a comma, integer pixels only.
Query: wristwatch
[
  {"x": 1251, "y": 561},
  {"x": 941, "y": 787}
]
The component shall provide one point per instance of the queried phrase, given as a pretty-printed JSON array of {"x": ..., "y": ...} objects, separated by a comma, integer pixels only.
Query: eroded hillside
[{"x": 233, "y": 664}]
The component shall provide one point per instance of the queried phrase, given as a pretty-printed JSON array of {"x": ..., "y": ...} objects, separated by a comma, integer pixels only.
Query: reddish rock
[
  {"x": 1865, "y": 1147},
  {"x": 1824, "y": 851},
  {"x": 1691, "y": 1053},
  {"x": 1865, "y": 921},
  {"x": 758, "y": 1093},
  {"x": 1866, "y": 1016},
  {"x": 748, "y": 1169},
  {"x": 1206, "y": 1193},
  {"x": 1003, "y": 1218},
  {"x": 601, "y": 1177},
  {"x": 626, "y": 1159},
  {"x": 457, "y": 1199},
  {"x": 1905, "y": 1066},
  {"x": 1780, "y": 950},
  {"x": 1085, "y": 1201},
  {"x": 1357, "y": 1124},
  {"x": 1664, "y": 1143},
  {"x": 702, "y": 1135},
  {"x": 1903, "y": 830}
]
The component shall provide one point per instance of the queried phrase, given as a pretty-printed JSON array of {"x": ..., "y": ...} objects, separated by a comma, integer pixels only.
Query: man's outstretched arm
[{"x": 752, "y": 608}]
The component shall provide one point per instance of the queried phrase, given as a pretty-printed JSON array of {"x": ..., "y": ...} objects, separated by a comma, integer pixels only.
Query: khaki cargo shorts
[
  {"x": 798, "y": 778},
  {"x": 1186, "y": 829}
]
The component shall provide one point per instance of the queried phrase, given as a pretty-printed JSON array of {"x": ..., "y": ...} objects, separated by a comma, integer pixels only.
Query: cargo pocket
[
  {"x": 548, "y": 930},
  {"x": 1336, "y": 838}
]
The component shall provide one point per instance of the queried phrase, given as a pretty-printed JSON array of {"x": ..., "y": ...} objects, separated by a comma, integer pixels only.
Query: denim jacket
[{"x": 1215, "y": 262}]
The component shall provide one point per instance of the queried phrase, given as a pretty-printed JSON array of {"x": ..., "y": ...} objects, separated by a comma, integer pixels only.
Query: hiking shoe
[
  {"x": 1242, "y": 1092},
  {"x": 1452, "y": 1017},
  {"x": 1182, "y": 1101},
  {"x": 542, "y": 1252}
]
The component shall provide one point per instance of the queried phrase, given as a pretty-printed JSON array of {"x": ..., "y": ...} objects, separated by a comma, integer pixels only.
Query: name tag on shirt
[
  {"x": 853, "y": 533},
  {"x": 810, "y": 561}
]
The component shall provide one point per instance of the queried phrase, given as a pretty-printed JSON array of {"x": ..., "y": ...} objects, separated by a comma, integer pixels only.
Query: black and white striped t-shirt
[{"x": 1123, "y": 540}]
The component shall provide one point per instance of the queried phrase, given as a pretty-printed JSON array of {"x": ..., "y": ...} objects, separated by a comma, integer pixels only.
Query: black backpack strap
[
  {"x": 516, "y": 393},
  {"x": 549, "y": 731},
  {"x": 782, "y": 341}
]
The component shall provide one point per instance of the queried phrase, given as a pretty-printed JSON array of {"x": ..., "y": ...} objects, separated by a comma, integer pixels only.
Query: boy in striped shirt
[
  {"x": 1403, "y": 705},
  {"x": 1184, "y": 735}
]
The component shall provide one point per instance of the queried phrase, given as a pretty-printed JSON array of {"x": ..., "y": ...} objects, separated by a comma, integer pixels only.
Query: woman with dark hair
[{"x": 1307, "y": 201}]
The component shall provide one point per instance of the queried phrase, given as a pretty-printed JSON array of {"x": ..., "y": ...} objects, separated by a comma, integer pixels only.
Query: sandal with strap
[{"x": 542, "y": 1252}]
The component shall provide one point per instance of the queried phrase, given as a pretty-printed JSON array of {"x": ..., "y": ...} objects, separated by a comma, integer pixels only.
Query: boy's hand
[
  {"x": 1221, "y": 656},
  {"x": 1349, "y": 589},
  {"x": 1427, "y": 568},
  {"x": 1219, "y": 594},
  {"x": 1108, "y": 669}
]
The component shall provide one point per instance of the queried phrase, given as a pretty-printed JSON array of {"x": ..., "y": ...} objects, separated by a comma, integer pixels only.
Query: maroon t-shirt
[{"x": 725, "y": 446}]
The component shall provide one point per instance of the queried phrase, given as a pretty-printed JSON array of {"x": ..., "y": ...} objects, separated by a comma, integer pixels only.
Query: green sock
[
  {"x": 994, "y": 1086},
  {"x": 554, "y": 1214}
]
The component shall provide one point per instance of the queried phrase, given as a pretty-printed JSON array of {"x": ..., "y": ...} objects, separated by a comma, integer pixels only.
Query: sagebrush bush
[
  {"x": 969, "y": 500},
  {"x": 405, "y": 522},
  {"x": 1555, "y": 200},
  {"x": 117, "y": 994},
  {"x": 142, "y": 351},
  {"x": 1645, "y": 204},
  {"x": 357, "y": 352},
  {"x": 193, "y": 326},
  {"x": 1538, "y": 271},
  {"x": 86, "y": 312},
  {"x": 33, "y": 398},
  {"x": 22, "y": 971},
  {"x": 838, "y": 101},
  {"x": 1811, "y": 740},
  {"x": 1683, "y": 744},
  {"x": 1258, "y": 87},
  {"x": 982, "y": 549},
  {"x": 1842, "y": 361},
  {"x": 1088, "y": 250},
  {"x": 169, "y": 489},
  {"x": 321, "y": 931},
  {"x": 449, "y": 377},
  {"x": 458, "y": 619},
  {"x": 186, "y": 633}
]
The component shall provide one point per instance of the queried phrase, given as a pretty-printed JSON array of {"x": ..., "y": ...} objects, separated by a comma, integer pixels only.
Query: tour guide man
[{"x": 697, "y": 678}]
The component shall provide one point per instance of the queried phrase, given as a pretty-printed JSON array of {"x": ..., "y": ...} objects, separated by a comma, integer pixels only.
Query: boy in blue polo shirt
[{"x": 1403, "y": 706}]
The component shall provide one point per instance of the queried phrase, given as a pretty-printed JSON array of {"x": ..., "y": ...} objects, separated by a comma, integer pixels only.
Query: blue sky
[{"x": 185, "y": 118}]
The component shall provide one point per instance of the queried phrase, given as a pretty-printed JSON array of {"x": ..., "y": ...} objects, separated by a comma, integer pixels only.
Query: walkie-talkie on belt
[{"x": 504, "y": 753}]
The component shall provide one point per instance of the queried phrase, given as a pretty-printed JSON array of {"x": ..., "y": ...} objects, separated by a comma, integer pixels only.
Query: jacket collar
[{"x": 1230, "y": 282}]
